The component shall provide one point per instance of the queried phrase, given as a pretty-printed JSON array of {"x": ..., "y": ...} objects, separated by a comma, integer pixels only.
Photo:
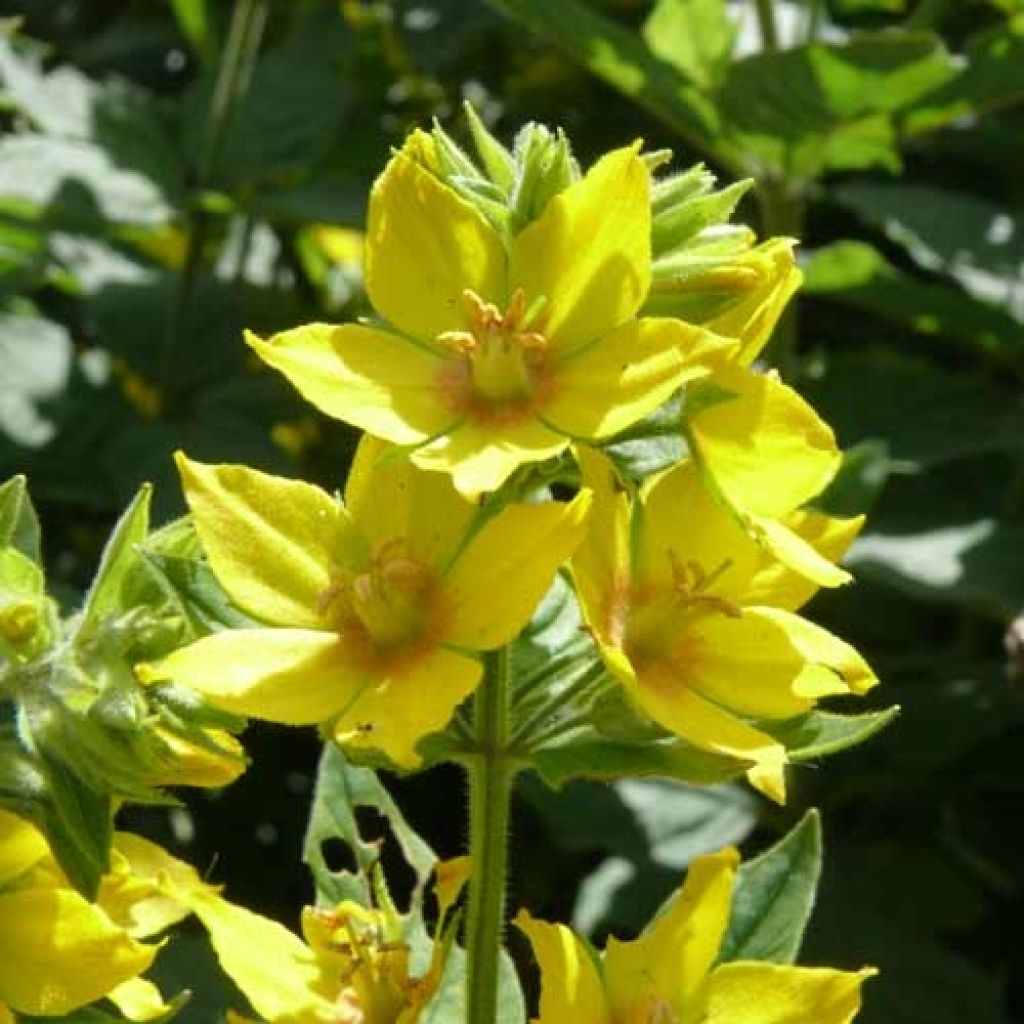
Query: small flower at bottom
[
  {"x": 375, "y": 609},
  {"x": 669, "y": 974}
]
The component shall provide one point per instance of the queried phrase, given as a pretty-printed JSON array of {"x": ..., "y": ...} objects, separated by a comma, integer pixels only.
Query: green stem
[
  {"x": 766, "y": 22},
  {"x": 490, "y": 784},
  {"x": 247, "y": 21}
]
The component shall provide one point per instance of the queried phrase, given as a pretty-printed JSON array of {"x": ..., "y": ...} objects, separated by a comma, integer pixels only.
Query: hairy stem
[{"x": 490, "y": 781}]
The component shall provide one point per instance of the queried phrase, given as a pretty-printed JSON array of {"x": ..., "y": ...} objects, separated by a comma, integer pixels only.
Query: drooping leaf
[{"x": 341, "y": 790}]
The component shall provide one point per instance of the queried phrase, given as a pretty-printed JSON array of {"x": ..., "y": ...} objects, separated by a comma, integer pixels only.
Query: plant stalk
[
  {"x": 244, "y": 34},
  {"x": 766, "y": 22},
  {"x": 490, "y": 783}
]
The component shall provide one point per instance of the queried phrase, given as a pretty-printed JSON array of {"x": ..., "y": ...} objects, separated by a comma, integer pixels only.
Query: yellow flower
[
  {"x": 696, "y": 619},
  {"x": 375, "y": 609},
  {"x": 353, "y": 966},
  {"x": 59, "y": 952},
  {"x": 668, "y": 975},
  {"x": 489, "y": 355},
  {"x": 764, "y": 452}
]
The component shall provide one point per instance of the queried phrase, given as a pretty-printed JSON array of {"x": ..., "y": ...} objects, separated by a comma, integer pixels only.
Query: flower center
[
  {"x": 389, "y": 601},
  {"x": 503, "y": 355},
  {"x": 657, "y": 619}
]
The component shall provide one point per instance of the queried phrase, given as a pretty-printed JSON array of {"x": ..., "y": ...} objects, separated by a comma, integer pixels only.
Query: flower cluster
[{"x": 558, "y": 394}]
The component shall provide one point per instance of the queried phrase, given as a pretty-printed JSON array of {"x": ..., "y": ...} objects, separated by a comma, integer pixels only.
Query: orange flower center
[
  {"x": 503, "y": 356},
  {"x": 658, "y": 618},
  {"x": 389, "y": 602}
]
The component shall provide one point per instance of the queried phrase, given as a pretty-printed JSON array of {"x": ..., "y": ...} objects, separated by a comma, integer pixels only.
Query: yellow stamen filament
[{"x": 503, "y": 352}]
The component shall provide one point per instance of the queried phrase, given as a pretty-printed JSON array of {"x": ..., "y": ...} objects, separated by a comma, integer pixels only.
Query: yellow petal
[
  {"x": 753, "y": 315},
  {"x": 767, "y": 449},
  {"x": 706, "y": 725},
  {"x": 571, "y": 986},
  {"x": 277, "y": 972},
  {"x": 375, "y": 380},
  {"x": 589, "y": 252},
  {"x": 191, "y": 763},
  {"x": 831, "y": 665},
  {"x": 136, "y": 894},
  {"x": 271, "y": 542},
  {"x": 416, "y": 698},
  {"x": 775, "y": 583},
  {"x": 293, "y": 676},
  {"x": 21, "y": 846},
  {"x": 58, "y": 952},
  {"x": 424, "y": 247},
  {"x": 388, "y": 497},
  {"x": 760, "y": 993},
  {"x": 480, "y": 457},
  {"x": 606, "y": 386},
  {"x": 601, "y": 563},
  {"x": 6, "y": 1017},
  {"x": 450, "y": 878},
  {"x": 751, "y": 665},
  {"x": 669, "y": 963},
  {"x": 139, "y": 1000},
  {"x": 682, "y": 520},
  {"x": 796, "y": 553},
  {"x": 523, "y": 543}
]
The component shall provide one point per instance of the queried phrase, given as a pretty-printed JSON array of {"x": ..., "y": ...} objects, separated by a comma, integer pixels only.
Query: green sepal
[
  {"x": 774, "y": 896},
  {"x": 820, "y": 733},
  {"x": 109, "y": 593},
  {"x": 674, "y": 226},
  {"x": 496, "y": 159},
  {"x": 19, "y": 524}
]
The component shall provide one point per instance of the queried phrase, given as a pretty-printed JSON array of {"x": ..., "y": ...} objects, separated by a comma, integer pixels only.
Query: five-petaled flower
[
  {"x": 375, "y": 610},
  {"x": 696, "y": 619},
  {"x": 491, "y": 353},
  {"x": 669, "y": 974}
]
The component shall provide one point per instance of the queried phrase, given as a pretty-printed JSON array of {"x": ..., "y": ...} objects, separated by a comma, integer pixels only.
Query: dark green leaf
[
  {"x": 820, "y": 733},
  {"x": 774, "y": 896}
]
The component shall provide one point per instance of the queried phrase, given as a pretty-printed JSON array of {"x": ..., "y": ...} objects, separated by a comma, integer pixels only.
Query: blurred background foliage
[{"x": 173, "y": 172}]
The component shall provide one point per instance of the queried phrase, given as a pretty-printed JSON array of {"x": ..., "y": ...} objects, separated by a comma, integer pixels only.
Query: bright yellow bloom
[
  {"x": 353, "y": 967},
  {"x": 696, "y": 619},
  {"x": 376, "y": 609},
  {"x": 59, "y": 952},
  {"x": 765, "y": 452},
  {"x": 490, "y": 355},
  {"x": 668, "y": 975}
]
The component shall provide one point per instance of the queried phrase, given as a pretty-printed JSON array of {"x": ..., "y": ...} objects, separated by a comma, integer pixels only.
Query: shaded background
[{"x": 148, "y": 214}]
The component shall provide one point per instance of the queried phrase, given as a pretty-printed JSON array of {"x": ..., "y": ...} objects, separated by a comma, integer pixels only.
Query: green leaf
[
  {"x": 341, "y": 790},
  {"x": 855, "y": 274},
  {"x": 109, "y": 589},
  {"x": 19, "y": 525},
  {"x": 820, "y": 733},
  {"x": 194, "y": 18},
  {"x": 830, "y": 106},
  {"x": 975, "y": 241},
  {"x": 588, "y": 754},
  {"x": 620, "y": 58},
  {"x": 652, "y": 445},
  {"x": 696, "y": 36},
  {"x": 989, "y": 78},
  {"x": 774, "y": 896}
]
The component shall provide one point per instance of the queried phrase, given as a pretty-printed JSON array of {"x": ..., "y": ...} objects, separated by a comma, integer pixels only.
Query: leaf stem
[
  {"x": 766, "y": 22},
  {"x": 244, "y": 34},
  {"x": 490, "y": 782}
]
